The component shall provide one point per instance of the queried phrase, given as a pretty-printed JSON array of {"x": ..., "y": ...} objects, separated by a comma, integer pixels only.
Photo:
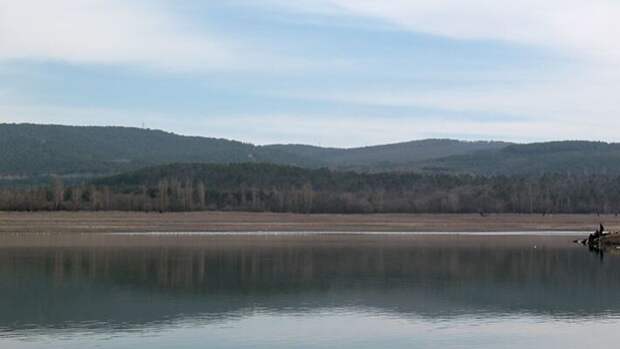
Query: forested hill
[
  {"x": 39, "y": 150},
  {"x": 377, "y": 157},
  {"x": 568, "y": 157},
  {"x": 264, "y": 176},
  {"x": 28, "y": 149}
]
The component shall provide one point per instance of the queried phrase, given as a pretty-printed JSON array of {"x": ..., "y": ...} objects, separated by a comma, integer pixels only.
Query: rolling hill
[
  {"x": 28, "y": 151},
  {"x": 39, "y": 150},
  {"x": 567, "y": 157},
  {"x": 375, "y": 158}
]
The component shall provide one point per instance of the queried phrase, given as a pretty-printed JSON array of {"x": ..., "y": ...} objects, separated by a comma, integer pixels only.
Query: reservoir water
[{"x": 306, "y": 291}]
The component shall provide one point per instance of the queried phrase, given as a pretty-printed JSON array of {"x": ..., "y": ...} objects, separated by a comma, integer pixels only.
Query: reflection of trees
[{"x": 140, "y": 285}]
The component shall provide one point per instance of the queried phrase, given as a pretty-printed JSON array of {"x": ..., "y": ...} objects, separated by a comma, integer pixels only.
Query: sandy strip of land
[{"x": 100, "y": 222}]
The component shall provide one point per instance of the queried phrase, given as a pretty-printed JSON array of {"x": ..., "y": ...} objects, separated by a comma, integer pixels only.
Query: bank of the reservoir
[{"x": 91, "y": 222}]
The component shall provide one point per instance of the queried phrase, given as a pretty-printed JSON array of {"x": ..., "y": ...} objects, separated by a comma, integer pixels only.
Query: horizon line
[{"x": 307, "y": 144}]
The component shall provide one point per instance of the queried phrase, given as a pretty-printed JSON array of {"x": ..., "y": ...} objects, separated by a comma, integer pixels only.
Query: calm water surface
[{"x": 323, "y": 291}]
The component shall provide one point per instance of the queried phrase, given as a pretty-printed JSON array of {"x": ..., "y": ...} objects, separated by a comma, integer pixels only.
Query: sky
[{"x": 325, "y": 72}]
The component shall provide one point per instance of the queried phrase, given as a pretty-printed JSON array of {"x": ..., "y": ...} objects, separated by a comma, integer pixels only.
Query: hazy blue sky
[{"x": 330, "y": 72}]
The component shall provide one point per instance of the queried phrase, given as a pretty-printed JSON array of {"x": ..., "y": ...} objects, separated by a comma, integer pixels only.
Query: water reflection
[
  {"x": 123, "y": 284},
  {"x": 602, "y": 252}
]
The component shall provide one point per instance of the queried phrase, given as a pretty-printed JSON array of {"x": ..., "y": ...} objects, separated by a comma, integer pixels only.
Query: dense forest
[
  {"x": 276, "y": 188},
  {"x": 29, "y": 154},
  {"x": 567, "y": 157},
  {"x": 29, "y": 151},
  {"x": 53, "y": 167},
  {"x": 380, "y": 157}
]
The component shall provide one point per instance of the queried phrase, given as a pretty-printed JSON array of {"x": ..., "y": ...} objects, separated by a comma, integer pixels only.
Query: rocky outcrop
[{"x": 601, "y": 240}]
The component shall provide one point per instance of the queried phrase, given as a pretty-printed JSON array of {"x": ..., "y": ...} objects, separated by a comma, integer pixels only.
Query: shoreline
[{"x": 248, "y": 222}]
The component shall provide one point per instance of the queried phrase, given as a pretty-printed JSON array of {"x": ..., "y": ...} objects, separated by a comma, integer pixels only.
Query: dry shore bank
[{"x": 95, "y": 222}]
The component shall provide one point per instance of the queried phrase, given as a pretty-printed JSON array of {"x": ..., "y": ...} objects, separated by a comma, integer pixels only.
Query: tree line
[{"x": 273, "y": 188}]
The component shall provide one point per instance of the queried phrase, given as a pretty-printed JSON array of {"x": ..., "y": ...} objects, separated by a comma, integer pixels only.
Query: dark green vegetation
[
  {"x": 382, "y": 157},
  {"x": 28, "y": 151},
  {"x": 275, "y": 188},
  {"x": 569, "y": 157},
  {"x": 113, "y": 168}
]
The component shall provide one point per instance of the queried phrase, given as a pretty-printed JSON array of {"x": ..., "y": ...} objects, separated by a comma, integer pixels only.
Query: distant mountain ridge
[
  {"x": 374, "y": 157},
  {"x": 28, "y": 150},
  {"x": 565, "y": 157}
]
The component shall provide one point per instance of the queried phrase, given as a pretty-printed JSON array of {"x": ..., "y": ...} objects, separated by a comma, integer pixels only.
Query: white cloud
[
  {"x": 106, "y": 32},
  {"x": 574, "y": 99},
  {"x": 588, "y": 28},
  {"x": 142, "y": 33}
]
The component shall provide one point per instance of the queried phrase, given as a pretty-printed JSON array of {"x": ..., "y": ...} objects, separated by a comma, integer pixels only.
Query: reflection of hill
[{"x": 136, "y": 286}]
